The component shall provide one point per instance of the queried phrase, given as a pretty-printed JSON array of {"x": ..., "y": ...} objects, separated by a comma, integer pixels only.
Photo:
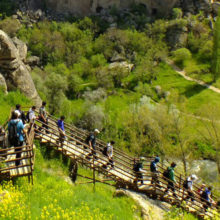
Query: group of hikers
[
  {"x": 203, "y": 193},
  {"x": 17, "y": 131}
]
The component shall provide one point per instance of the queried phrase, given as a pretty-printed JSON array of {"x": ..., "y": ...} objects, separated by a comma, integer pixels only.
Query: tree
[
  {"x": 211, "y": 130},
  {"x": 216, "y": 50},
  {"x": 56, "y": 86}
]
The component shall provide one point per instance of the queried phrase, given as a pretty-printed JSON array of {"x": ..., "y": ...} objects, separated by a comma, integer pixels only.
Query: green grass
[
  {"x": 9, "y": 101},
  {"x": 50, "y": 185},
  {"x": 196, "y": 96}
]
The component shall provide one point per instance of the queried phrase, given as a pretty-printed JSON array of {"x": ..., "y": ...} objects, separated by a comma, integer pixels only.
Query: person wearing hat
[
  {"x": 91, "y": 141},
  {"x": 188, "y": 185},
  {"x": 154, "y": 171}
]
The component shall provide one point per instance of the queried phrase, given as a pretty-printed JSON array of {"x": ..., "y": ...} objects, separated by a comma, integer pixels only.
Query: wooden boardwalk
[
  {"x": 75, "y": 148},
  {"x": 9, "y": 169}
]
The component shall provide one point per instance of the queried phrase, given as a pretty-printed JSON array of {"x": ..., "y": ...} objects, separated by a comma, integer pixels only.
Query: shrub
[
  {"x": 177, "y": 13},
  {"x": 181, "y": 55},
  {"x": 93, "y": 118},
  {"x": 10, "y": 26}
]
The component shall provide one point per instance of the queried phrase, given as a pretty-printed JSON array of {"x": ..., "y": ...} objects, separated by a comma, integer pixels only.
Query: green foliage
[
  {"x": 216, "y": 50},
  {"x": 10, "y": 26},
  {"x": 53, "y": 193},
  {"x": 177, "y": 13},
  {"x": 181, "y": 55},
  {"x": 9, "y": 101},
  {"x": 56, "y": 86},
  {"x": 179, "y": 214},
  {"x": 7, "y": 7}
]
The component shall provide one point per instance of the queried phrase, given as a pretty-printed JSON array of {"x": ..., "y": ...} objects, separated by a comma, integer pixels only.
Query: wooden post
[{"x": 93, "y": 163}]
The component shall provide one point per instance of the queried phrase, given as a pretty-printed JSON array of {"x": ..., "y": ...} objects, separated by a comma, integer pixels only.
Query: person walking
[
  {"x": 60, "y": 125},
  {"x": 170, "y": 177},
  {"x": 188, "y": 185},
  {"x": 138, "y": 169},
  {"x": 16, "y": 135},
  {"x": 20, "y": 113},
  {"x": 206, "y": 197},
  {"x": 108, "y": 152},
  {"x": 154, "y": 171},
  {"x": 43, "y": 117},
  {"x": 91, "y": 141},
  {"x": 30, "y": 117}
]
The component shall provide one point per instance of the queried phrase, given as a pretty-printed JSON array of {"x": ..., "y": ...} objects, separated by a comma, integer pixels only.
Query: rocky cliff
[
  {"x": 14, "y": 74},
  {"x": 154, "y": 7}
]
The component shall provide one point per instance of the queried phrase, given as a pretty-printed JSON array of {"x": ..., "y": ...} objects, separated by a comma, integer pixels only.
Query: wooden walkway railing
[
  {"x": 8, "y": 158},
  {"x": 75, "y": 148}
]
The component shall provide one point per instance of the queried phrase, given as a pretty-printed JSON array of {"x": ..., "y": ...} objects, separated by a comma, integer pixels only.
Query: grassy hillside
[{"x": 53, "y": 197}]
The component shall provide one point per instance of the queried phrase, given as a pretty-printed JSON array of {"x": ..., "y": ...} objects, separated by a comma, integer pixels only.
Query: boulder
[
  {"x": 14, "y": 70},
  {"x": 22, "y": 48},
  {"x": 33, "y": 61},
  {"x": 3, "y": 85},
  {"x": 124, "y": 65}
]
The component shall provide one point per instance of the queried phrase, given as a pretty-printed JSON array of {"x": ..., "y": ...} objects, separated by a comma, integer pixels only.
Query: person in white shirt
[
  {"x": 188, "y": 185},
  {"x": 31, "y": 115}
]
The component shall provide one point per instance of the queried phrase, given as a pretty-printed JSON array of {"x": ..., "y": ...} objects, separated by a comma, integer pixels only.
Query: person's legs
[
  {"x": 140, "y": 177},
  {"x": 18, "y": 155},
  {"x": 111, "y": 162}
]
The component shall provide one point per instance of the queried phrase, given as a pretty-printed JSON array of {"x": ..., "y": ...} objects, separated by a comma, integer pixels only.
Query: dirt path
[{"x": 183, "y": 74}]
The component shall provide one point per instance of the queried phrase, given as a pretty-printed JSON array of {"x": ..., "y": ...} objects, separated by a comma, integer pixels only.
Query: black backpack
[
  {"x": 152, "y": 167},
  {"x": 13, "y": 134},
  {"x": 105, "y": 150},
  {"x": 166, "y": 173},
  {"x": 27, "y": 116},
  {"x": 185, "y": 184}
]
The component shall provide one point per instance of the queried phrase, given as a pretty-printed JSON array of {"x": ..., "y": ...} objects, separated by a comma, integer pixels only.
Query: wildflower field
[{"x": 53, "y": 196}]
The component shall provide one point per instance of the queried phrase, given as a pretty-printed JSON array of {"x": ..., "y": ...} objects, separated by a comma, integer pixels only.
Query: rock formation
[
  {"x": 154, "y": 7},
  {"x": 13, "y": 70}
]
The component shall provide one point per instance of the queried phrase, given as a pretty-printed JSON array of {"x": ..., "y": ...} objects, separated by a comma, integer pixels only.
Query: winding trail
[{"x": 183, "y": 74}]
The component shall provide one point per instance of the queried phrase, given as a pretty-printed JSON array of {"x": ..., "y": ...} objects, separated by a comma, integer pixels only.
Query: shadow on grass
[{"x": 191, "y": 90}]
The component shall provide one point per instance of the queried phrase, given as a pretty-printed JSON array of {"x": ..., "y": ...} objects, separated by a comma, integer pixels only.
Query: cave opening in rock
[
  {"x": 99, "y": 9},
  {"x": 154, "y": 11}
]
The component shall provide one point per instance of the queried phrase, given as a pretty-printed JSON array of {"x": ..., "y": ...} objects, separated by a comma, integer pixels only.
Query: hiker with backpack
[
  {"x": 16, "y": 134},
  {"x": 91, "y": 141},
  {"x": 154, "y": 171},
  {"x": 20, "y": 113},
  {"x": 206, "y": 197},
  {"x": 188, "y": 186},
  {"x": 170, "y": 177},
  {"x": 108, "y": 152},
  {"x": 60, "y": 125},
  {"x": 138, "y": 170},
  {"x": 43, "y": 117}
]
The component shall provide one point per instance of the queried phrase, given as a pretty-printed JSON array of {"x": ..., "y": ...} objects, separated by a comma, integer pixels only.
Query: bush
[
  {"x": 10, "y": 26},
  {"x": 93, "y": 118},
  {"x": 181, "y": 55},
  {"x": 7, "y": 7},
  {"x": 177, "y": 13}
]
